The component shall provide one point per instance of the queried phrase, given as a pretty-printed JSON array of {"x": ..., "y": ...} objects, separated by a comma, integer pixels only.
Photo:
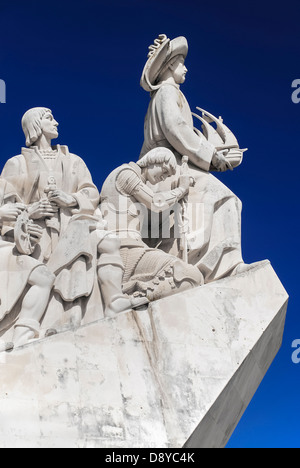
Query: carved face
[
  {"x": 49, "y": 126},
  {"x": 157, "y": 173},
  {"x": 179, "y": 70}
]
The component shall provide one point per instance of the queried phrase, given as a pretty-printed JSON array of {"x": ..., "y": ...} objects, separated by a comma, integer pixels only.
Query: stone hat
[{"x": 161, "y": 52}]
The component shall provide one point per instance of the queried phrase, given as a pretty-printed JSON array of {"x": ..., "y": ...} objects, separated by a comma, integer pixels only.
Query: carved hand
[
  {"x": 11, "y": 211},
  {"x": 220, "y": 162},
  {"x": 184, "y": 183},
  {"x": 42, "y": 209},
  {"x": 35, "y": 232},
  {"x": 62, "y": 199}
]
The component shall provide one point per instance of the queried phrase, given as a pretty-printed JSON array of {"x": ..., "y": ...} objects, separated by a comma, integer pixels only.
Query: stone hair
[
  {"x": 159, "y": 156},
  {"x": 31, "y": 124}
]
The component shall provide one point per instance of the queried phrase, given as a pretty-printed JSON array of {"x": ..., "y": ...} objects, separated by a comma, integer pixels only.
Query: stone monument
[{"x": 128, "y": 317}]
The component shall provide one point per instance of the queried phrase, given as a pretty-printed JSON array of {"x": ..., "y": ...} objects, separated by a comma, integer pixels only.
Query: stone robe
[
  {"x": 214, "y": 211},
  {"x": 66, "y": 247}
]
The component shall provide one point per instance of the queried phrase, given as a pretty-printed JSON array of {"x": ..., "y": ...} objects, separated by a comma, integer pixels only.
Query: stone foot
[
  {"x": 244, "y": 267},
  {"x": 125, "y": 304},
  {"x": 6, "y": 346},
  {"x": 50, "y": 332}
]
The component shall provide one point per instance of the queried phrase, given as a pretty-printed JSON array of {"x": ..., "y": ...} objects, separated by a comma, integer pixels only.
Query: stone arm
[
  {"x": 79, "y": 195},
  {"x": 178, "y": 132},
  {"x": 10, "y": 207},
  {"x": 86, "y": 195},
  {"x": 129, "y": 183},
  {"x": 9, "y": 213},
  {"x": 14, "y": 173}
]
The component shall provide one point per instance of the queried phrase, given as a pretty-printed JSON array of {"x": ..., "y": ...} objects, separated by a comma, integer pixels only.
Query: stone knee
[
  {"x": 109, "y": 245},
  {"x": 110, "y": 276},
  {"x": 110, "y": 268},
  {"x": 41, "y": 277},
  {"x": 110, "y": 264}
]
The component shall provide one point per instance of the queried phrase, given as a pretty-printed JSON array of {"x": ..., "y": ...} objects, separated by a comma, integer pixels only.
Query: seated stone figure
[
  {"x": 215, "y": 223},
  {"x": 26, "y": 283},
  {"x": 125, "y": 198},
  {"x": 57, "y": 187}
]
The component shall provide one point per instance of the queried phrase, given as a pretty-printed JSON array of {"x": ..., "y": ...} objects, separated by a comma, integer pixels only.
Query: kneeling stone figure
[{"x": 126, "y": 197}]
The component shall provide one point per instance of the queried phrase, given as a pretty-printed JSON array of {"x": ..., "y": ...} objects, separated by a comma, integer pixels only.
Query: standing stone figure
[
  {"x": 214, "y": 240},
  {"x": 57, "y": 187},
  {"x": 125, "y": 201},
  {"x": 26, "y": 283}
]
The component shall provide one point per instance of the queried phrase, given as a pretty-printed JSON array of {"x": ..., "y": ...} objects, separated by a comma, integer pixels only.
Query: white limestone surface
[{"x": 180, "y": 374}]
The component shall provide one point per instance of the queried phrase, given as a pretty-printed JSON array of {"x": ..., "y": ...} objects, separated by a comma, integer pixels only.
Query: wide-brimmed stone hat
[{"x": 160, "y": 54}]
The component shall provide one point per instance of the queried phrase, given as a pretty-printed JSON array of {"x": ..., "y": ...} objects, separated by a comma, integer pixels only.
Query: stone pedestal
[{"x": 180, "y": 374}]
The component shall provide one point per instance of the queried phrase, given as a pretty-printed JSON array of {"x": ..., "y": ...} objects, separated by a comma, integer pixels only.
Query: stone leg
[
  {"x": 110, "y": 276},
  {"x": 157, "y": 274},
  {"x": 181, "y": 277},
  {"x": 33, "y": 306}
]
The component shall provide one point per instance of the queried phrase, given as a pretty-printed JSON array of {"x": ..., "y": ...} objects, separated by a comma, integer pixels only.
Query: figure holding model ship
[{"x": 214, "y": 238}]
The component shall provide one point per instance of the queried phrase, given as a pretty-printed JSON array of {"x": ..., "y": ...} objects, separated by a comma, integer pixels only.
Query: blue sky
[{"x": 83, "y": 59}]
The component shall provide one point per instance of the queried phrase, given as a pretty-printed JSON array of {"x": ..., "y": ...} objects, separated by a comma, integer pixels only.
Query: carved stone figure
[
  {"x": 214, "y": 241},
  {"x": 125, "y": 201},
  {"x": 26, "y": 283},
  {"x": 61, "y": 197}
]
